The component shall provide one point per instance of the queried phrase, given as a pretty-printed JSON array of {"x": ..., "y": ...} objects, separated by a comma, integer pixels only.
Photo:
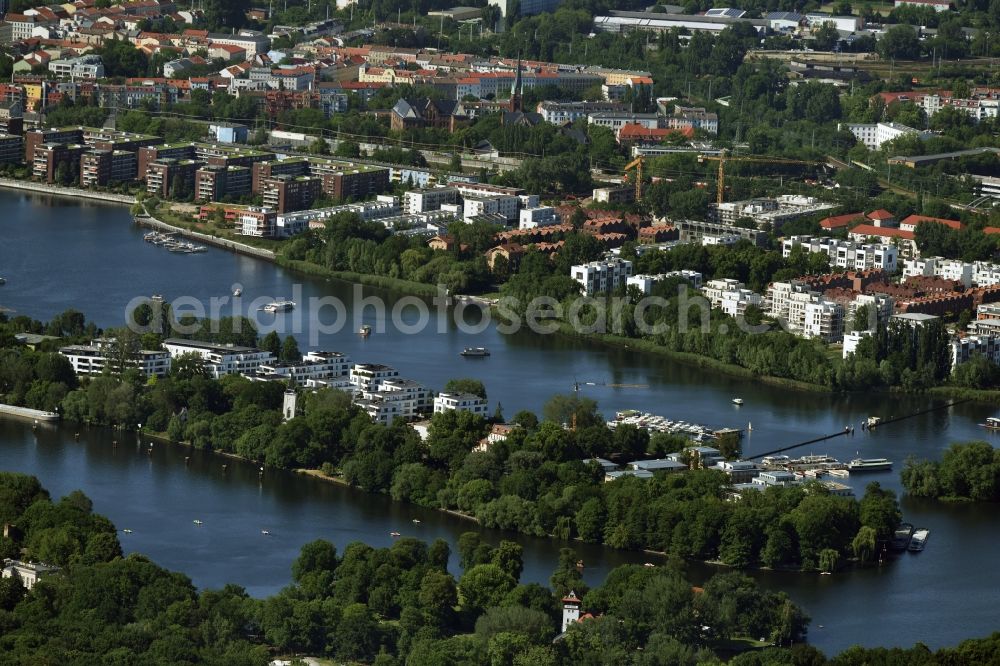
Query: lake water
[{"x": 59, "y": 253}]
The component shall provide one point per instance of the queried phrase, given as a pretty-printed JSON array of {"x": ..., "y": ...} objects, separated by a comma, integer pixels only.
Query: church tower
[
  {"x": 516, "y": 89},
  {"x": 571, "y": 610}
]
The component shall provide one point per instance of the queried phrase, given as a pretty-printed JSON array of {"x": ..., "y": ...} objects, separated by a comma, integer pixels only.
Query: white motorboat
[
  {"x": 281, "y": 305},
  {"x": 869, "y": 465},
  {"x": 737, "y": 401}
]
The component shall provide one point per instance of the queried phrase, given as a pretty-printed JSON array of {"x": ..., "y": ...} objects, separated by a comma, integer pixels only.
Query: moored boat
[
  {"x": 365, "y": 330},
  {"x": 919, "y": 540},
  {"x": 475, "y": 351},
  {"x": 280, "y": 305},
  {"x": 901, "y": 537},
  {"x": 869, "y": 465},
  {"x": 992, "y": 422}
]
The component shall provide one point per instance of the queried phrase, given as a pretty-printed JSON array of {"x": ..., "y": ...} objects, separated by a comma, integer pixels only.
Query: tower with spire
[{"x": 516, "y": 89}]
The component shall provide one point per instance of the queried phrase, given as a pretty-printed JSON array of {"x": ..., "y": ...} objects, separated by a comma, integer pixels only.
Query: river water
[{"x": 59, "y": 253}]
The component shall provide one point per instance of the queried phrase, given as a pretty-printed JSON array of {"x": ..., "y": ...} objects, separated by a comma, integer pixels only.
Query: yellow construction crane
[
  {"x": 723, "y": 157},
  {"x": 637, "y": 165}
]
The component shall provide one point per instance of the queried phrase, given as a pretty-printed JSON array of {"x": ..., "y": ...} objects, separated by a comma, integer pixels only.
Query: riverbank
[
  {"x": 648, "y": 346},
  {"x": 393, "y": 284},
  {"x": 60, "y": 191},
  {"x": 242, "y": 248},
  {"x": 27, "y": 413}
]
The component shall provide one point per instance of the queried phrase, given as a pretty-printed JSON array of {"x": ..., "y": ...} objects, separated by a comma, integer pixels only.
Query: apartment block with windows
[
  {"x": 460, "y": 402},
  {"x": 171, "y": 177},
  {"x": 256, "y": 222},
  {"x": 214, "y": 182},
  {"x": 95, "y": 358},
  {"x": 11, "y": 149},
  {"x": 49, "y": 157},
  {"x": 602, "y": 276},
  {"x": 289, "y": 193},
  {"x": 220, "y": 360}
]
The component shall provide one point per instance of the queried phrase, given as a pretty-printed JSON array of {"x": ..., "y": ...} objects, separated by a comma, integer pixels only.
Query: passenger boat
[
  {"x": 992, "y": 422},
  {"x": 919, "y": 540},
  {"x": 901, "y": 537},
  {"x": 869, "y": 465},
  {"x": 737, "y": 401},
  {"x": 280, "y": 305},
  {"x": 475, "y": 351},
  {"x": 365, "y": 330}
]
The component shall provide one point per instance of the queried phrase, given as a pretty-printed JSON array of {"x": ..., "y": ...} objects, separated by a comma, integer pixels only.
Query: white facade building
[
  {"x": 731, "y": 296},
  {"x": 962, "y": 349},
  {"x": 314, "y": 365},
  {"x": 846, "y": 254},
  {"x": 602, "y": 276},
  {"x": 421, "y": 201},
  {"x": 93, "y": 359},
  {"x": 462, "y": 402},
  {"x": 539, "y": 216},
  {"x": 367, "y": 376},
  {"x": 220, "y": 360},
  {"x": 505, "y": 204},
  {"x": 873, "y": 135},
  {"x": 805, "y": 312}
]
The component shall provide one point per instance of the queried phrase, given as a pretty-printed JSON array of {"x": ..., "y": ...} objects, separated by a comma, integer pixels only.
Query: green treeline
[{"x": 969, "y": 471}]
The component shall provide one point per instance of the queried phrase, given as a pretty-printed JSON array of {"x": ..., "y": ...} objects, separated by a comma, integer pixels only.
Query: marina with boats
[
  {"x": 172, "y": 242},
  {"x": 654, "y": 423}
]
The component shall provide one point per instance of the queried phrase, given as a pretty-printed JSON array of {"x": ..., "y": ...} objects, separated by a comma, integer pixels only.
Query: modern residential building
[
  {"x": 314, "y": 365},
  {"x": 11, "y": 149},
  {"x": 98, "y": 358},
  {"x": 215, "y": 183},
  {"x": 169, "y": 177},
  {"x": 99, "y": 168},
  {"x": 846, "y": 254},
  {"x": 766, "y": 211},
  {"x": 731, "y": 296},
  {"x": 461, "y": 402},
  {"x": 28, "y": 573},
  {"x": 963, "y": 349},
  {"x": 218, "y": 359},
  {"x": 290, "y": 193},
  {"x": 423, "y": 200},
  {"x": 57, "y": 161},
  {"x": 806, "y": 313},
  {"x": 873, "y": 135},
  {"x": 368, "y": 376},
  {"x": 256, "y": 222},
  {"x": 602, "y": 276}
]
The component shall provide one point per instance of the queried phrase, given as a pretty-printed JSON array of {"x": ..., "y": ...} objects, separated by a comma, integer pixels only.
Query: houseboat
[
  {"x": 919, "y": 540},
  {"x": 869, "y": 465},
  {"x": 901, "y": 537}
]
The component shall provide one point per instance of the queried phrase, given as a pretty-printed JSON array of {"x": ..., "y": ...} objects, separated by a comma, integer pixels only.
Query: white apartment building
[
  {"x": 290, "y": 224},
  {"x": 539, "y": 216},
  {"x": 367, "y": 376},
  {"x": 382, "y": 412},
  {"x": 775, "y": 212},
  {"x": 462, "y": 402},
  {"x": 979, "y": 273},
  {"x": 599, "y": 277},
  {"x": 880, "y": 304},
  {"x": 314, "y": 365},
  {"x": 93, "y": 359},
  {"x": 987, "y": 320},
  {"x": 423, "y": 200},
  {"x": 615, "y": 120},
  {"x": 977, "y": 109},
  {"x": 805, "y": 312},
  {"x": 84, "y": 67},
  {"x": 873, "y": 135},
  {"x": 28, "y": 573},
  {"x": 731, "y": 296},
  {"x": 851, "y": 341},
  {"x": 505, "y": 204},
  {"x": 962, "y": 349},
  {"x": 846, "y": 254},
  {"x": 559, "y": 113},
  {"x": 412, "y": 398},
  {"x": 645, "y": 283},
  {"x": 220, "y": 360}
]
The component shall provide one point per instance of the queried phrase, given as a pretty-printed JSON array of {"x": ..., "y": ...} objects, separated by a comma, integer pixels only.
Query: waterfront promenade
[{"x": 59, "y": 190}]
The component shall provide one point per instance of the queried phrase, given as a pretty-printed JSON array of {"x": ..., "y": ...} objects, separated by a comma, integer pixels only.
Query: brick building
[
  {"x": 289, "y": 193},
  {"x": 213, "y": 182},
  {"x": 166, "y": 177}
]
